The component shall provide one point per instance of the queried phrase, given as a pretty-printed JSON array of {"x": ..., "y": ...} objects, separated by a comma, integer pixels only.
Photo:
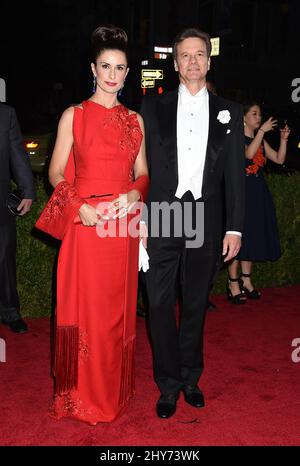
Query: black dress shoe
[
  {"x": 17, "y": 326},
  {"x": 193, "y": 396},
  {"x": 166, "y": 406}
]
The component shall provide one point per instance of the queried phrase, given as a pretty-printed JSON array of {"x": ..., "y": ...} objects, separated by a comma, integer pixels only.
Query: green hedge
[{"x": 36, "y": 253}]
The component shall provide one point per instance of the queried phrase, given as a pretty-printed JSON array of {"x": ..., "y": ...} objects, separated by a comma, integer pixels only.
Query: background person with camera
[
  {"x": 14, "y": 164},
  {"x": 260, "y": 240}
]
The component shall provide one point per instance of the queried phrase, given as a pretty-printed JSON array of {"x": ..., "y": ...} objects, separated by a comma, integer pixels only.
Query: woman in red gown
[{"x": 99, "y": 152}]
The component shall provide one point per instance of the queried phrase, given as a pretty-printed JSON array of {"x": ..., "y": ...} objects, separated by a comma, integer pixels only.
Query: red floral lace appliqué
[
  {"x": 69, "y": 405},
  {"x": 258, "y": 162},
  {"x": 64, "y": 195},
  {"x": 83, "y": 347},
  {"x": 131, "y": 134}
]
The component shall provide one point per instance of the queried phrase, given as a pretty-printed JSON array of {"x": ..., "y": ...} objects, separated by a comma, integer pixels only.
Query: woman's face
[
  {"x": 110, "y": 70},
  {"x": 252, "y": 118}
]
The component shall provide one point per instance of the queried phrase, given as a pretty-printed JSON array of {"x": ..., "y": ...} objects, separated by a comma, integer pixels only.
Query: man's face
[{"x": 192, "y": 62}]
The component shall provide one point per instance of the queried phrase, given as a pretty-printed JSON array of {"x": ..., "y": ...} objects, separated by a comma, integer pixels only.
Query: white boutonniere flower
[{"x": 224, "y": 117}]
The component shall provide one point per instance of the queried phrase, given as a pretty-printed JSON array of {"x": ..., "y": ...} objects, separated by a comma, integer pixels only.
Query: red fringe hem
[
  {"x": 128, "y": 372},
  {"x": 66, "y": 359}
]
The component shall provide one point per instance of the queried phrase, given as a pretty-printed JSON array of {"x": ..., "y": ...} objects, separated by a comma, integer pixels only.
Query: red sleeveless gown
[{"x": 98, "y": 276}]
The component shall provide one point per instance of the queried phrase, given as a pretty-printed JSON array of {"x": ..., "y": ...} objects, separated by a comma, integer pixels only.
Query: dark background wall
[{"x": 44, "y": 47}]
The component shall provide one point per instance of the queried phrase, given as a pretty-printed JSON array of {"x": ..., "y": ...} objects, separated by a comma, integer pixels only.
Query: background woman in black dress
[{"x": 260, "y": 240}]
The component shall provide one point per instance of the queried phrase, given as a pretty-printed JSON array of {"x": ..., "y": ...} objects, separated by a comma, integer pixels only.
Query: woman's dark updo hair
[
  {"x": 249, "y": 104},
  {"x": 108, "y": 37}
]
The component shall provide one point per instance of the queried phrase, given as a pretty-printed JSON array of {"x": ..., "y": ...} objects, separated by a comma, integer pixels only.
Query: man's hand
[
  {"x": 24, "y": 206},
  {"x": 231, "y": 246}
]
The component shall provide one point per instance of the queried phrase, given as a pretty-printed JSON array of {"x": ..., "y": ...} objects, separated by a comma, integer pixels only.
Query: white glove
[{"x": 143, "y": 258}]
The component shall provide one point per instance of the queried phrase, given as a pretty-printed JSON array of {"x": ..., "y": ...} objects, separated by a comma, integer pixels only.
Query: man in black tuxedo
[
  {"x": 14, "y": 164},
  {"x": 194, "y": 142}
]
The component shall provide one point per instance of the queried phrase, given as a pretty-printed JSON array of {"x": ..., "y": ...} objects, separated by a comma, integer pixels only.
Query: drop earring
[
  {"x": 94, "y": 84},
  {"x": 121, "y": 89}
]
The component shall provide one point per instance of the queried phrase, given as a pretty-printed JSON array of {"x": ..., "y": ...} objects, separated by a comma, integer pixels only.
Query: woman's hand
[
  {"x": 268, "y": 125},
  {"x": 284, "y": 133},
  {"x": 88, "y": 215},
  {"x": 123, "y": 204}
]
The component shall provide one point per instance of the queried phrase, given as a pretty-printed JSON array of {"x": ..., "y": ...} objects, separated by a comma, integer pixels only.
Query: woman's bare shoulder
[{"x": 68, "y": 114}]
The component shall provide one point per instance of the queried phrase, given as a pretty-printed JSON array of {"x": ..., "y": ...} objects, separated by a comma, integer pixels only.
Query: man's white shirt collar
[{"x": 186, "y": 96}]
